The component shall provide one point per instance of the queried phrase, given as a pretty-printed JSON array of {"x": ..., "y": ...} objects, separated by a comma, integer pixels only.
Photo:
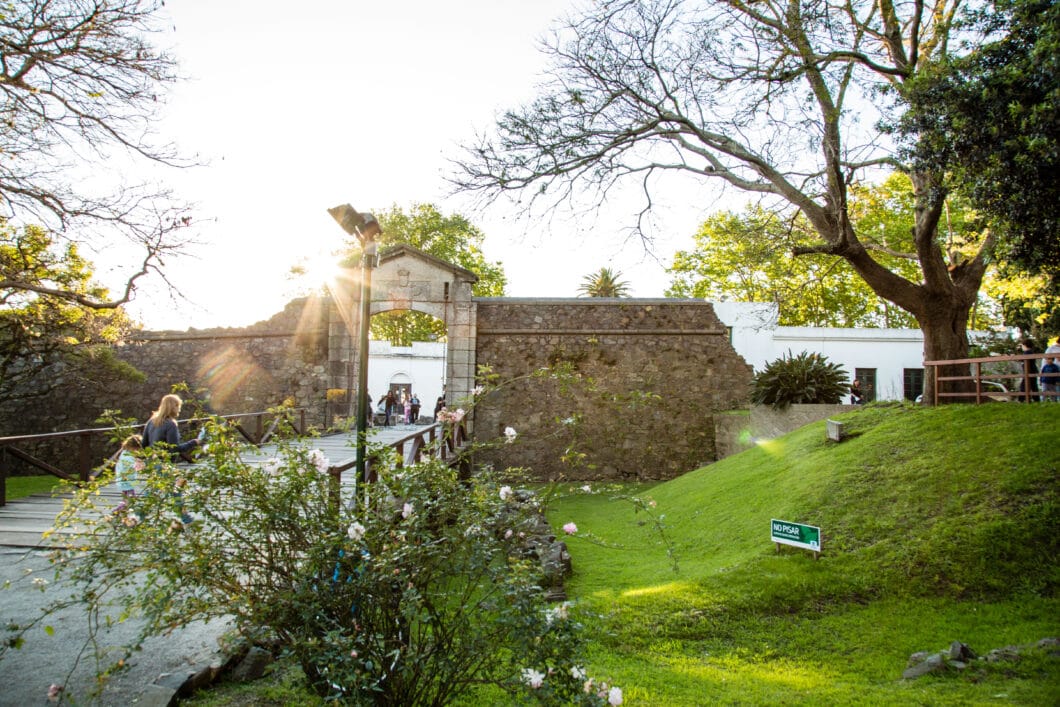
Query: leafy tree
[
  {"x": 80, "y": 86},
  {"x": 992, "y": 117},
  {"x": 733, "y": 261},
  {"x": 604, "y": 283},
  {"x": 1030, "y": 302},
  {"x": 777, "y": 99},
  {"x": 451, "y": 238},
  {"x": 54, "y": 319}
]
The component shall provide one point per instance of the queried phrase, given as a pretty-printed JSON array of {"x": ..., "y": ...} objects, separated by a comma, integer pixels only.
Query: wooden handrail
[
  {"x": 448, "y": 448},
  {"x": 447, "y": 451},
  {"x": 977, "y": 375},
  {"x": 84, "y": 460}
]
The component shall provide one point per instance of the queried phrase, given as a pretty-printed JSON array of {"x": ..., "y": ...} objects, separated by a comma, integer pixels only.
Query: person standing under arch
[
  {"x": 415, "y": 403},
  {"x": 388, "y": 410}
]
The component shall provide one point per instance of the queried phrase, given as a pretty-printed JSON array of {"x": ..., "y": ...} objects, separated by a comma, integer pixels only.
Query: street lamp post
[{"x": 365, "y": 228}]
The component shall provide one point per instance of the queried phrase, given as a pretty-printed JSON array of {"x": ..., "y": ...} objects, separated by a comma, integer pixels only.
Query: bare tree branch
[
  {"x": 778, "y": 97},
  {"x": 79, "y": 83}
]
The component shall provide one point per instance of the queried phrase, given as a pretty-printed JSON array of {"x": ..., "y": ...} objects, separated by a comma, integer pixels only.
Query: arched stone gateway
[
  {"x": 407, "y": 279},
  {"x": 642, "y": 378}
]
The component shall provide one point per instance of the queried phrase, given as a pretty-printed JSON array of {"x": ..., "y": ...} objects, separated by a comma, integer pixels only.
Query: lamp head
[{"x": 364, "y": 226}]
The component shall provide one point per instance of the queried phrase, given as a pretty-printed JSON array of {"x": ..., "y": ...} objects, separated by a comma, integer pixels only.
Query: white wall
[
  {"x": 757, "y": 338},
  {"x": 420, "y": 366}
]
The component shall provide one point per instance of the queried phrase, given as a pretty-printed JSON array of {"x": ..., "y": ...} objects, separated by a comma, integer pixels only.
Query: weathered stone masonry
[{"x": 661, "y": 368}]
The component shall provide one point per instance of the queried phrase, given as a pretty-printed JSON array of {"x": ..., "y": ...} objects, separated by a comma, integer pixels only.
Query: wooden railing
[
  {"x": 445, "y": 441},
  {"x": 251, "y": 425},
  {"x": 976, "y": 384}
]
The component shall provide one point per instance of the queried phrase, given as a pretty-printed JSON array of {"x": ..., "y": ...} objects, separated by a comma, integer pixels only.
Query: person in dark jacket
[
  {"x": 162, "y": 430},
  {"x": 857, "y": 395},
  {"x": 1050, "y": 379},
  {"x": 1029, "y": 384},
  {"x": 391, "y": 402},
  {"x": 415, "y": 406}
]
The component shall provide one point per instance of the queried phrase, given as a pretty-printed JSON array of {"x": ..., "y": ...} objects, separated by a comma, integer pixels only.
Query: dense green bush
[
  {"x": 412, "y": 592},
  {"x": 805, "y": 378}
]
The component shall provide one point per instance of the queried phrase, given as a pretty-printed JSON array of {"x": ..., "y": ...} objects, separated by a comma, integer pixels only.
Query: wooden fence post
[{"x": 84, "y": 462}]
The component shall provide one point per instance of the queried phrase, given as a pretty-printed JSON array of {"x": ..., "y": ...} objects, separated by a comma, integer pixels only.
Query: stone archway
[{"x": 405, "y": 279}]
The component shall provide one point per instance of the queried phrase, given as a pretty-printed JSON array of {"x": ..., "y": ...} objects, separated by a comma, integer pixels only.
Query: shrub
[
  {"x": 805, "y": 378},
  {"x": 413, "y": 592}
]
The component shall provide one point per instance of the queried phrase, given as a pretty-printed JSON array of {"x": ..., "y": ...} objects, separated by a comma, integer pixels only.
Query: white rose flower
[
  {"x": 355, "y": 531},
  {"x": 533, "y": 678}
]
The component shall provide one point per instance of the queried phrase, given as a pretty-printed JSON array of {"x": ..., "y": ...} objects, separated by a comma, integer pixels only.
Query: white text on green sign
[{"x": 795, "y": 534}]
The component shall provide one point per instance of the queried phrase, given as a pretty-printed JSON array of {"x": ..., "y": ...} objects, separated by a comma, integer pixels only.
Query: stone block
[
  {"x": 253, "y": 665},
  {"x": 934, "y": 663},
  {"x": 156, "y": 695}
]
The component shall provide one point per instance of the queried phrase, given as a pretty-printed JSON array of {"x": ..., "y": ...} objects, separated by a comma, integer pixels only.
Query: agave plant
[{"x": 805, "y": 378}]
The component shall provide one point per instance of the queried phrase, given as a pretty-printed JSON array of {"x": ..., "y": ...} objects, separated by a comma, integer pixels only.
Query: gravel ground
[{"x": 153, "y": 676}]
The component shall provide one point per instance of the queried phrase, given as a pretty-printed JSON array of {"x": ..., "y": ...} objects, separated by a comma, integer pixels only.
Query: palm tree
[{"x": 604, "y": 284}]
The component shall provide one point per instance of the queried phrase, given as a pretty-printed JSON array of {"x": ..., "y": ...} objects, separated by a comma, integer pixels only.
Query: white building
[
  {"x": 888, "y": 362},
  {"x": 418, "y": 369}
]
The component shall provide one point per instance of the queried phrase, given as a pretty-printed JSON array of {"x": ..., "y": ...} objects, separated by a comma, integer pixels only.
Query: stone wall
[
  {"x": 647, "y": 379},
  {"x": 232, "y": 370}
]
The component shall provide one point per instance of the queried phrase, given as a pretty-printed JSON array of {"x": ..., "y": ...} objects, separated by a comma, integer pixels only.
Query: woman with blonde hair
[{"x": 162, "y": 427}]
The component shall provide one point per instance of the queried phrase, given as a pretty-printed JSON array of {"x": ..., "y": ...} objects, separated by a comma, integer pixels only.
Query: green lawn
[
  {"x": 938, "y": 525},
  {"x": 22, "y": 486}
]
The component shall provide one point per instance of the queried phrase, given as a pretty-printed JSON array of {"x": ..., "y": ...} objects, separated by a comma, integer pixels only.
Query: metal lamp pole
[{"x": 365, "y": 228}]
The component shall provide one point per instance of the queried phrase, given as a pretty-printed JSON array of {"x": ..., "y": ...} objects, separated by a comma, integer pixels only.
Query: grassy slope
[
  {"x": 22, "y": 486},
  {"x": 939, "y": 525}
]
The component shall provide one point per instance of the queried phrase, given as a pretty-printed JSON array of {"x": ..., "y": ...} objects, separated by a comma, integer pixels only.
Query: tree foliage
[
  {"x": 54, "y": 320},
  {"x": 452, "y": 238},
  {"x": 604, "y": 283},
  {"x": 992, "y": 118},
  {"x": 732, "y": 260},
  {"x": 746, "y": 257},
  {"x": 80, "y": 86},
  {"x": 777, "y": 99}
]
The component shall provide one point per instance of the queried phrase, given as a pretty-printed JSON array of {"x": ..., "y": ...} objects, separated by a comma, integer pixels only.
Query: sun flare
[{"x": 318, "y": 271}]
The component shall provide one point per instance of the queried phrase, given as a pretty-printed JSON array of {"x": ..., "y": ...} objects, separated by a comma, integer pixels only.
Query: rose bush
[{"x": 413, "y": 590}]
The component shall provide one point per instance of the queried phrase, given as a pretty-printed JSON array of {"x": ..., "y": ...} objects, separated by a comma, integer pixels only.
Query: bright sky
[{"x": 297, "y": 108}]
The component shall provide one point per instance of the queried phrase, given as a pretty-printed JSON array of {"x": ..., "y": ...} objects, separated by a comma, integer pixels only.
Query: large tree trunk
[
  {"x": 945, "y": 338},
  {"x": 942, "y": 302},
  {"x": 942, "y": 312}
]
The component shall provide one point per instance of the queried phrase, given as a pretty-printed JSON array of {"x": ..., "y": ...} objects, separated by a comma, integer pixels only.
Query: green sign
[{"x": 796, "y": 534}]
